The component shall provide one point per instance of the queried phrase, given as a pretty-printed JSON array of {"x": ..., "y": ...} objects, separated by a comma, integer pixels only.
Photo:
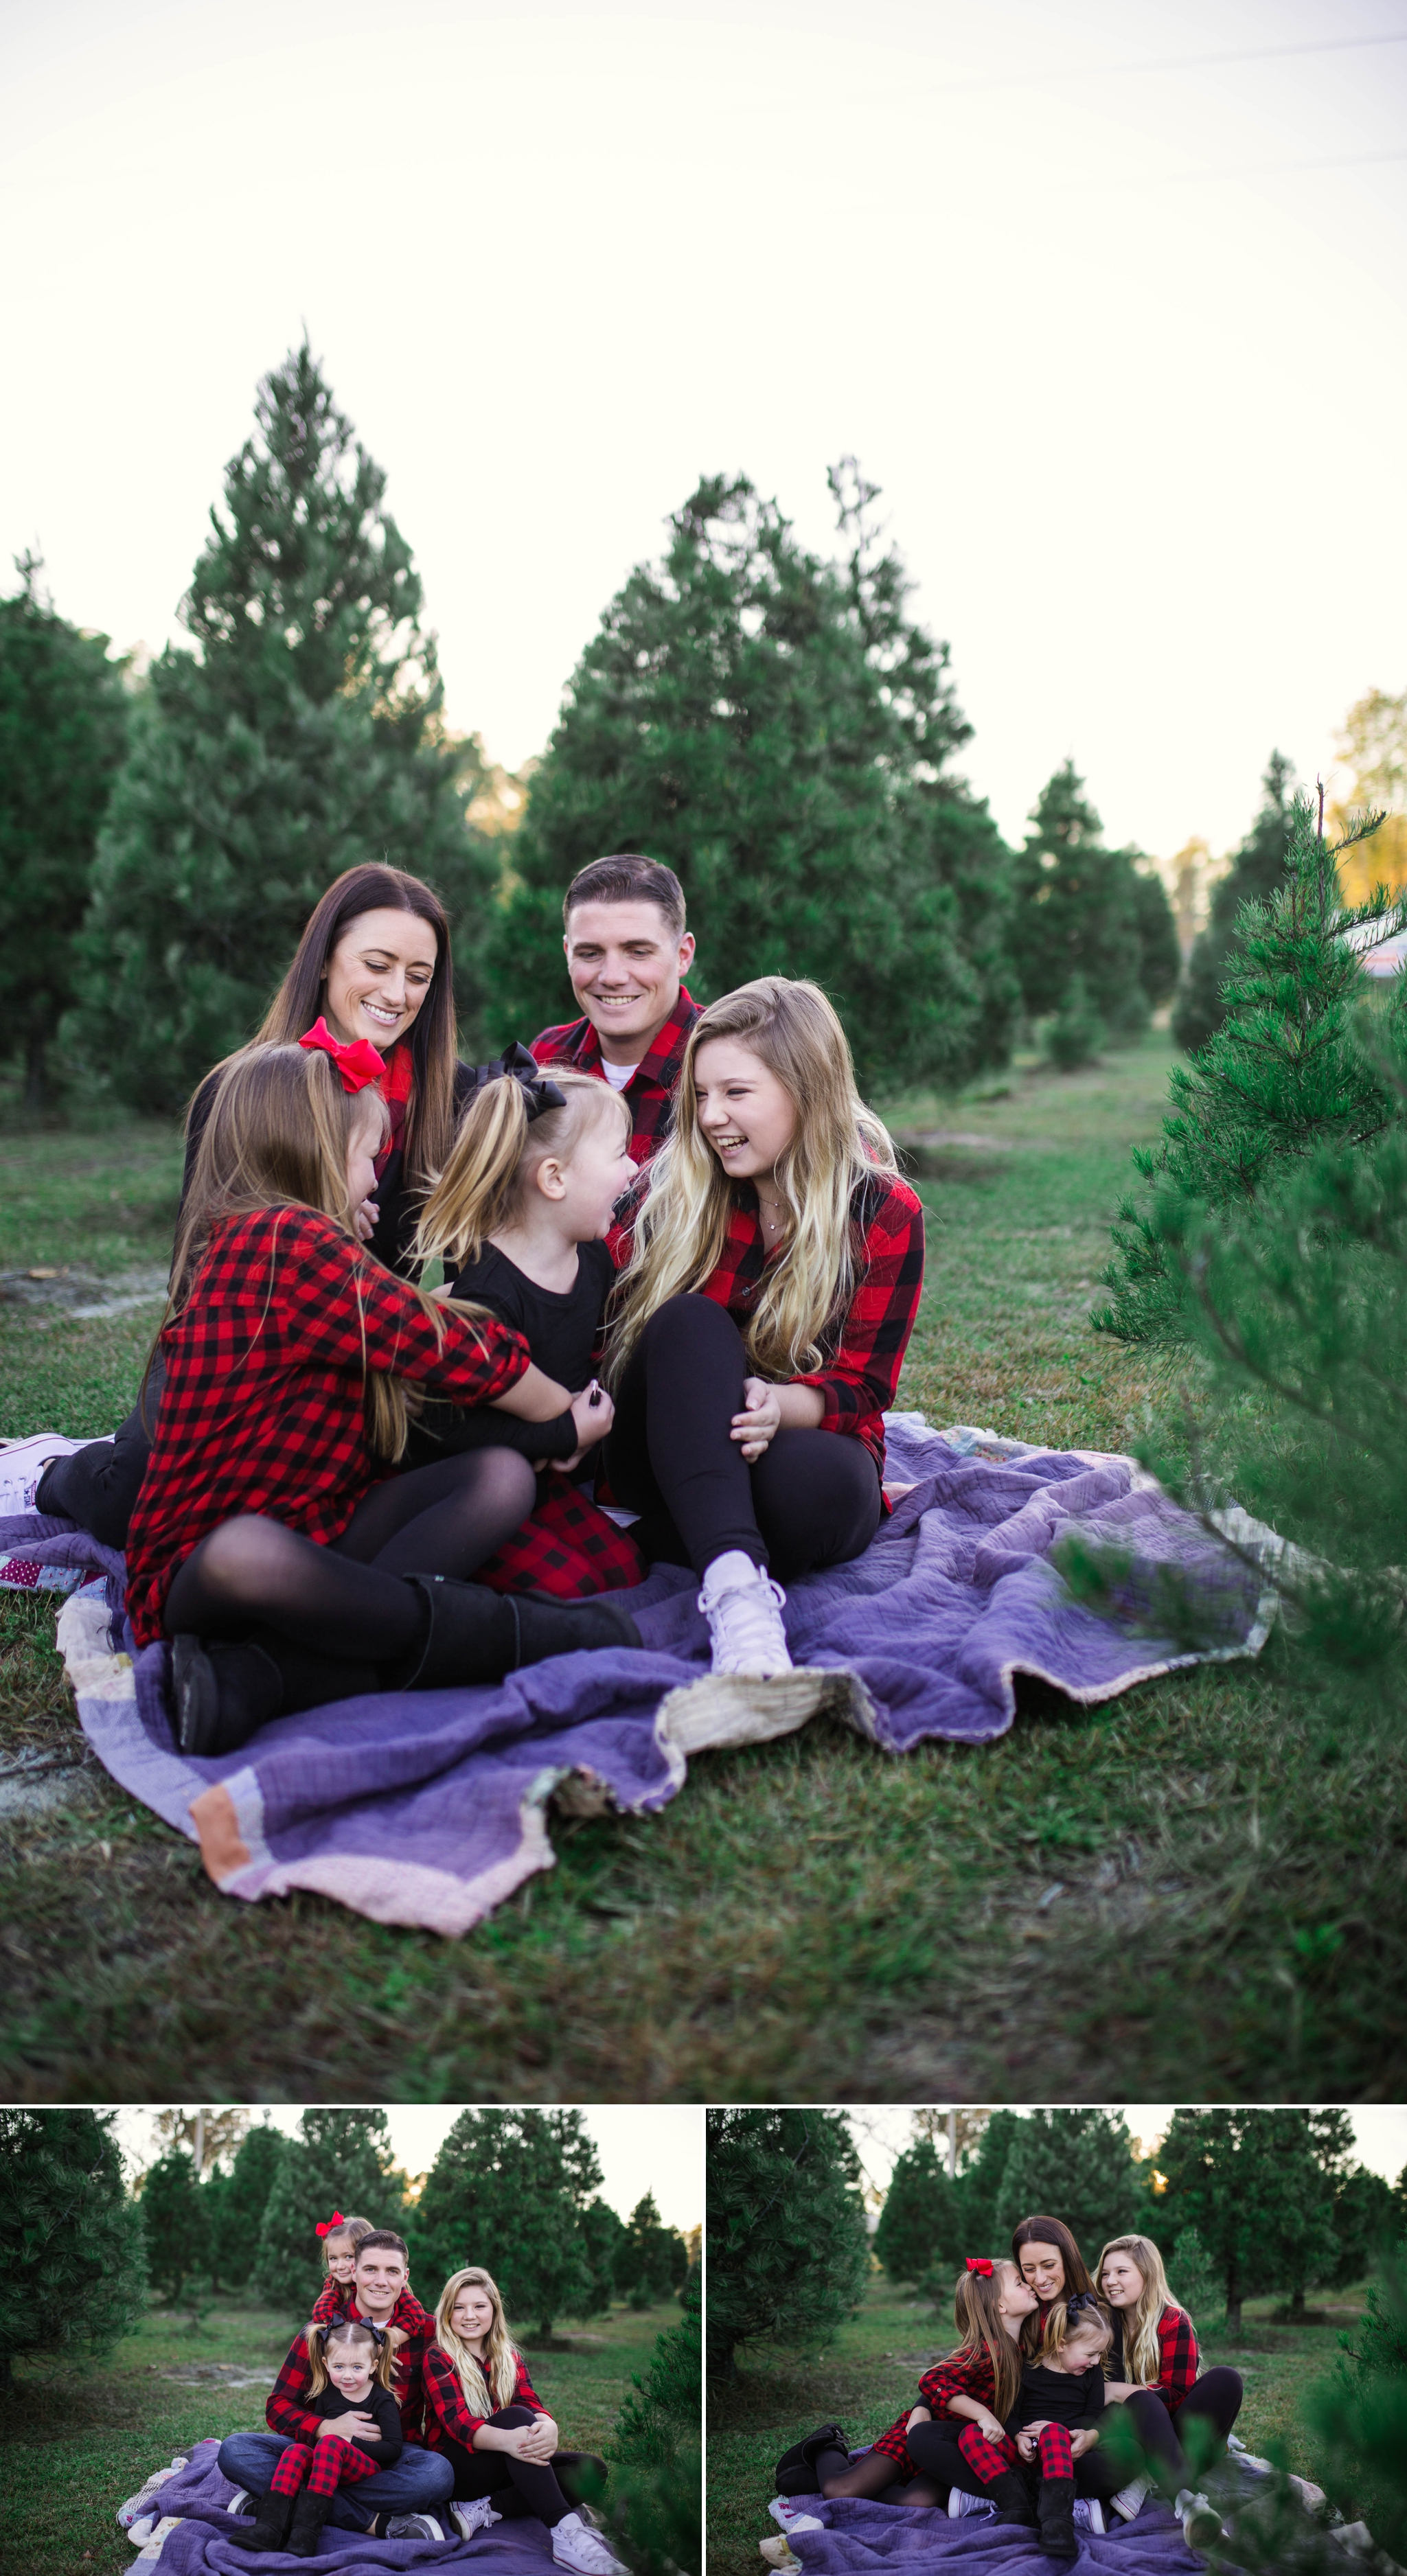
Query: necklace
[{"x": 771, "y": 1215}]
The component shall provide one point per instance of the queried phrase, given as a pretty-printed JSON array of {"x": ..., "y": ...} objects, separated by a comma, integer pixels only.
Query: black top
[
  {"x": 379, "y": 2402},
  {"x": 1054, "y": 2396},
  {"x": 398, "y": 1207},
  {"x": 559, "y": 1325}
]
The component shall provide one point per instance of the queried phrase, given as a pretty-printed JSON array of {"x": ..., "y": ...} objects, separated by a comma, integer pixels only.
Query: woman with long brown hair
[{"x": 373, "y": 965}]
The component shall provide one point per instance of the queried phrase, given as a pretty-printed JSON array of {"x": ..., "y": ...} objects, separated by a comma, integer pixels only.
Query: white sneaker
[
  {"x": 574, "y": 2544},
  {"x": 779, "y": 2553},
  {"x": 1129, "y": 2499},
  {"x": 960, "y": 2503},
  {"x": 744, "y": 1613},
  {"x": 1094, "y": 2512},
  {"x": 1201, "y": 2523},
  {"x": 474, "y": 2516}
]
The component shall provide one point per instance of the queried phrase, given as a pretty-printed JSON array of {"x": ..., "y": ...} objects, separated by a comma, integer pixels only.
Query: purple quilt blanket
[
  {"x": 864, "y": 2539},
  {"x": 429, "y": 1807},
  {"x": 203, "y": 2542}
]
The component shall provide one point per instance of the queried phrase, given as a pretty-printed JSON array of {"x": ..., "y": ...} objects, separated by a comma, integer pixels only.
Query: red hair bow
[
  {"x": 980, "y": 2263},
  {"x": 336, "y": 2220},
  {"x": 358, "y": 1065}
]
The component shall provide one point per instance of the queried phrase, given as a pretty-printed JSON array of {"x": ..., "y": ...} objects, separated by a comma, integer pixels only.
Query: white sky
[
  {"x": 1118, "y": 329},
  {"x": 642, "y": 2147},
  {"x": 1380, "y": 2134}
]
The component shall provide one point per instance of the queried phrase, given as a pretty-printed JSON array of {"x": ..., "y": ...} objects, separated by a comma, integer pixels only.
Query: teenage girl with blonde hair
[
  {"x": 268, "y": 1541},
  {"x": 1154, "y": 2377},
  {"x": 482, "y": 2414},
  {"x": 762, "y": 1317}
]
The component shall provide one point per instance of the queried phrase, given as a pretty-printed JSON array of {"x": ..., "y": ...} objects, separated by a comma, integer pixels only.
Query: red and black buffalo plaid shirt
[
  {"x": 447, "y": 2415},
  {"x": 335, "y": 2300},
  {"x": 962, "y": 2374},
  {"x": 263, "y": 1407},
  {"x": 1178, "y": 2357},
  {"x": 649, "y": 1094},
  {"x": 863, "y": 1353},
  {"x": 287, "y": 2411}
]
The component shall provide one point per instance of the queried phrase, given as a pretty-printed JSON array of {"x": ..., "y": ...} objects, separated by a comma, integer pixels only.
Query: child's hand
[
  {"x": 990, "y": 2429},
  {"x": 759, "y": 1425},
  {"x": 1027, "y": 2438},
  {"x": 593, "y": 1413},
  {"x": 1084, "y": 2439},
  {"x": 364, "y": 1221}
]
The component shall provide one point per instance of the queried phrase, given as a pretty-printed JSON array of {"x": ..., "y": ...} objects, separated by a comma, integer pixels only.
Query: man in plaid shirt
[
  {"x": 627, "y": 952},
  {"x": 421, "y": 2479}
]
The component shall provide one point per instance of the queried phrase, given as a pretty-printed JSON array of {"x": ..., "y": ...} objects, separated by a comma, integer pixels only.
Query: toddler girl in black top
[
  {"x": 1054, "y": 2420},
  {"x": 519, "y": 1217},
  {"x": 350, "y": 2387}
]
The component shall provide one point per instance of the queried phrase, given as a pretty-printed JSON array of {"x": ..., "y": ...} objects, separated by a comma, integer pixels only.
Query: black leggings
[
  {"x": 349, "y": 1600},
  {"x": 813, "y": 1498},
  {"x": 546, "y": 2489},
  {"x": 1213, "y": 2403},
  {"x": 933, "y": 2449},
  {"x": 97, "y": 1486}
]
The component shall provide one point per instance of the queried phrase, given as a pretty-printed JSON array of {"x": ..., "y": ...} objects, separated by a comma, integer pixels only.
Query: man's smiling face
[{"x": 625, "y": 963}]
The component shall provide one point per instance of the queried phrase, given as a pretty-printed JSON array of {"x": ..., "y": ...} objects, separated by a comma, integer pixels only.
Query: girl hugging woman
[
  {"x": 340, "y": 2238},
  {"x": 481, "y": 2413},
  {"x": 270, "y": 1542},
  {"x": 766, "y": 1304}
]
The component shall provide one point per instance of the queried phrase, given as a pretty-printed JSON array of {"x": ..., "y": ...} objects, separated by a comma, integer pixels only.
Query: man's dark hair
[
  {"x": 627, "y": 878},
  {"x": 384, "y": 2236}
]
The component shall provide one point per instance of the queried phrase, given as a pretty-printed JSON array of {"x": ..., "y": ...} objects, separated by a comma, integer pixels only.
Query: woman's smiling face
[
  {"x": 377, "y": 977},
  {"x": 472, "y": 2313},
  {"x": 744, "y": 1112},
  {"x": 1043, "y": 2270},
  {"x": 1120, "y": 2281}
]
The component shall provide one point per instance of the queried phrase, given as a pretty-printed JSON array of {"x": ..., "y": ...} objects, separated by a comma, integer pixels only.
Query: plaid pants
[
  {"x": 991, "y": 2460},
  {"x": 324, "y": 2465}
]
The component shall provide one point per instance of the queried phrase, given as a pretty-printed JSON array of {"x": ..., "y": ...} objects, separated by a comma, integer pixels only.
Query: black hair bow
[
  {"x": 1081, "y": 2299},
  {"x": 516, "y": 1065}
]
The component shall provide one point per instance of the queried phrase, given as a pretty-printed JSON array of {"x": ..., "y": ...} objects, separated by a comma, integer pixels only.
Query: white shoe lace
[
  {"x": 583, "y": 2548},
  {"x": 745, "y": 1624}
]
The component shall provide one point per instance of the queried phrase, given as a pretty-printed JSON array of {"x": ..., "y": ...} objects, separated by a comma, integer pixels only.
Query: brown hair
[
  {"x": 495, "y": 1153},
  {"x": 628, "y": 878},
  {"x": 379, "y": 2236},
  {"x": 1049, "y": 2231},
  {"x": 977, "y": 2316},
  {"x": 354, "y": 2229},
  {"x": 431, "y": 1037},
  {"x": 347, "y": 2330}
]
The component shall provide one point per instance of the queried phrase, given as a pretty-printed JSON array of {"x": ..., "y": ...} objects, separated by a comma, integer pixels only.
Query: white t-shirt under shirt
[{"x": 618, "y": 1075}]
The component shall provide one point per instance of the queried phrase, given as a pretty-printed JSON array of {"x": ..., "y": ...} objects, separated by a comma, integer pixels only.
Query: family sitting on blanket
[
  {"x": 383, "y": 2417},
  {"x": 1027, "y": 2412},
  {"x": 693, "y": 1205}
]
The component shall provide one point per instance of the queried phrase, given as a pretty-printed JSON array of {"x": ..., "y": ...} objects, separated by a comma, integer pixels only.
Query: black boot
[
  {"x": 1011, "y": 2494},
  {"x": 309, "y": 2515},
  {"x": 270, "y": 2522},
  {"x": 225, "y": 1692},
  {"x": 474, "y": 1635},
  {"x": 803, "y": 2456},
  {"x": 1057, "y": 2518}
]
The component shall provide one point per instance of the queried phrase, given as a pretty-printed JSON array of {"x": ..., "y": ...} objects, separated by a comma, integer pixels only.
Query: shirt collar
[{"x": 663, "y": 1059}]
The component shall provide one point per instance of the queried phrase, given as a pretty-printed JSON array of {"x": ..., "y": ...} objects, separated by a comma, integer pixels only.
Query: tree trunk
[
  {"x": 1297, "y": 2304},
  {"x": 1233, "y": 2312},
  {"x": 5, "y": 2381},
  {"x": 34, "y": 1073}
]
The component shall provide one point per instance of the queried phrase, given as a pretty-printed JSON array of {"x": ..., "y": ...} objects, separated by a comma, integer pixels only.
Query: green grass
[
  {"x": 809, "y": 1918},
  {"x": 868, "y": 2375},
  {"x": 79, "y": 2437}
]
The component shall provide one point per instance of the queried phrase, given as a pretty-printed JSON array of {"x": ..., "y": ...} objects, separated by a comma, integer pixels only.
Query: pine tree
[
  {"x": 238, "y": 2217},
  {"x": 1360, "y": 2415},
  {"x": 650, "y": 2261},
  {"x": 71, "y": 2238},
  {"x": 1256, "y": 873},
  {"x": 510, "y": 2190},
  {"x": 176, "y": 2216},
  {"x": 602, "y": 2235},
  {"x": 980, "y": 2181},
  {"x": 1254, "y": 2185},
  {"x": 1282, "y": 1075},
  {"x": 787, "y": 2246},
  {"x": 1367, "y": 2223},
  {"x": 63, "y": 732},
  {"x": 656, "y": 2454},
  {"x": 338, "y": 2160},
  {"x": 1083, "y": 911},
  {"x": 1077, "y": 2165},
  {"x": 779, "y": 732},
  {"x": 305, "y": 735},
  {"x": 920, "y": 2230}
]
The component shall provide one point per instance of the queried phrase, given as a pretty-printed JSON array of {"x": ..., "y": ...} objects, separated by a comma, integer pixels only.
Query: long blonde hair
[
  {"x": 277, "y": 1136},
  {"x": 836, "y": 1146},
  {"x": 977, "y": 2316},
  {"x": 496, "y": 1150},
  {"x": 1142, "y": 2353},
  {"x": 490, "y": 2383},
  {"x": 347, "y": 2330}
]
